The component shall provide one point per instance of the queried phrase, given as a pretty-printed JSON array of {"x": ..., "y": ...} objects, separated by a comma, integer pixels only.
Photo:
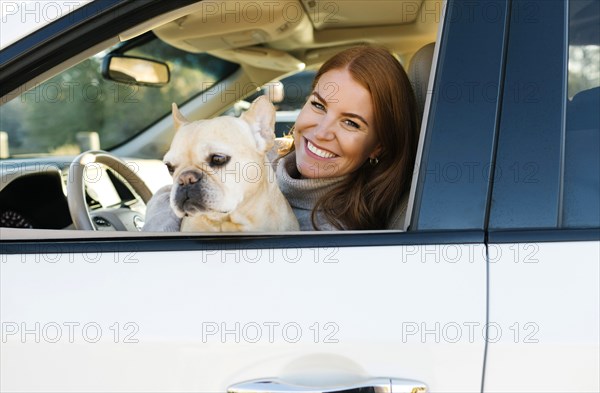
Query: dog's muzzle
[{"x": 188, "y": 192}]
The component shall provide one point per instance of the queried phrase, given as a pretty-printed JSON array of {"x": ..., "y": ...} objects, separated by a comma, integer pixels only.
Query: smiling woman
[
  {"x": 355, "y": 142},
  {"x": 499, "y": 248}
]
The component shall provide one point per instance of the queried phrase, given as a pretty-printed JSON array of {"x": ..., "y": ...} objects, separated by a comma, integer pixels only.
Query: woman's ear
[{"x": 376, "y": 152}]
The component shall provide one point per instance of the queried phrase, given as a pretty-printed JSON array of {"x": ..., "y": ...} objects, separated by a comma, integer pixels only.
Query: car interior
[{"x": 265, "y": 42}]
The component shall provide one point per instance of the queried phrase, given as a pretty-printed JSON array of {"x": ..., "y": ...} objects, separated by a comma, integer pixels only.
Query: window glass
[
  {"x": 581, "y": 188},
  {"x": 288, "y": 95},
  {"x": 453, "y": 180},
  {"x": 79, "y": 109},
  {"x": 296, "y": 89}
]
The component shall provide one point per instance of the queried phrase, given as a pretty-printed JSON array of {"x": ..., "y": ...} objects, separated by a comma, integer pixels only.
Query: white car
[{"x": 491, "y": 285}]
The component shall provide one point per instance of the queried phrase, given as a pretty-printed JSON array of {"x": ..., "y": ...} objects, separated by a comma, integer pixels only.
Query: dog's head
[{"x": 217, "y": 163}]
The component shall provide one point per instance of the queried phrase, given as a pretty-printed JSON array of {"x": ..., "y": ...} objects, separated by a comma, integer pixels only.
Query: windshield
[{"x": 79, "y": 110}]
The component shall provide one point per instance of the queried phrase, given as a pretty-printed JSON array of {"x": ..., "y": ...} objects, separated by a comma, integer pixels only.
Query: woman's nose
[{"x": 324, "y": 130}]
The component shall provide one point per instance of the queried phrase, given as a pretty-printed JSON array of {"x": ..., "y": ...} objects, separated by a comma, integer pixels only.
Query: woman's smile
[{"x": 318, "y": 151}]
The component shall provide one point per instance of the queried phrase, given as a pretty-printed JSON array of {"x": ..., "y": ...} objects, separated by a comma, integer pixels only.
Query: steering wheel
[{"x": 120, "y": 219}]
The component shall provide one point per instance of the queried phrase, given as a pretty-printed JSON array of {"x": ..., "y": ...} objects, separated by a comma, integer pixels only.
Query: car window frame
[
  {"x": 466, "y": 190},
  {"x": 528, "y": 169},
  {"x": 416, "y": 235},
  {"x": 370, "y": 238},
  {"x": 76, "y": 32}
]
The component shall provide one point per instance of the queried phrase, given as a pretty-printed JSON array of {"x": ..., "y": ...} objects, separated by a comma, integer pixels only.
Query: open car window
[{"x": 76, "y": 110}]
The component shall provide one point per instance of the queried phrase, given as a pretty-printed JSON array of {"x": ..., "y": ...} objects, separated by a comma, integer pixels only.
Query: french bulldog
[{"x": 222, "y": 179}]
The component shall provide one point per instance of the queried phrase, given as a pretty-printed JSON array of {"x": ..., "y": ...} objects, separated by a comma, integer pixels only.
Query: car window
[
  {"x": 581, "y": 188},
  {"x": 288, "y": 95},
  {"x": 79, "y": 110},
  {"x": 296, "y": 89}
]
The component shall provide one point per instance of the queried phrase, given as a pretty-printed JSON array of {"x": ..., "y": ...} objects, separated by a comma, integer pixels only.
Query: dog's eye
[
  {"x": 219, "y": 159},
  {"x": 170, "y": 168}
]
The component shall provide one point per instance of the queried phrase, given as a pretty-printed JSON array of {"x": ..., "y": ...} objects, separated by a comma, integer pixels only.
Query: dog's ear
[
  {"x": 261, "y": 118},
  {"x": 178, "y": 118}
]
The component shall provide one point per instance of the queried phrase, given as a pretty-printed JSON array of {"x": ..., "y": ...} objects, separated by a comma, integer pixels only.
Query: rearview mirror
[{"x": 135, "y": 70}]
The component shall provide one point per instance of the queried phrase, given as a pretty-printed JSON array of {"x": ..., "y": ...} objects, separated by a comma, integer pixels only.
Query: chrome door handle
[{"x": 375, "y": 385}]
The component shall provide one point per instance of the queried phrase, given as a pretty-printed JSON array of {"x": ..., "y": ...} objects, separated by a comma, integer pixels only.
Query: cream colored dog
[{"x": 222, "y": 180}]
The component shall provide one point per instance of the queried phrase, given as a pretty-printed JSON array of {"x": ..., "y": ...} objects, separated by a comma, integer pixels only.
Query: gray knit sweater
[{"x": 302, "y": 194}]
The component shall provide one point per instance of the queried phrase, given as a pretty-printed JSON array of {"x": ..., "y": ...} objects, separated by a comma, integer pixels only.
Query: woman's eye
[
  {"x": 351, "y": 124},
  {"x": 219, "y": 159},
  {"x": 170, "y": 168},
  {"x": 317, "y": 105}
]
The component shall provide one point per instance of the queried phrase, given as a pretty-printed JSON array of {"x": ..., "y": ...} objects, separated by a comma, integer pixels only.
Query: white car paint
[
  {"x": 548, "y": 294},
  {"x": 204, "y": 320}
]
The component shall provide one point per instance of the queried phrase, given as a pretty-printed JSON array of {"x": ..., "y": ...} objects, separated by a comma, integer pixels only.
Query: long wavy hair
[{"x": 369, "y": 196}]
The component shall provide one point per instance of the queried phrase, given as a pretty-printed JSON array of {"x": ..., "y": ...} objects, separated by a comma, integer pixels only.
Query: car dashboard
[
  {"x": 34, "y": 199},
  {"x": 33, "y": 193}
]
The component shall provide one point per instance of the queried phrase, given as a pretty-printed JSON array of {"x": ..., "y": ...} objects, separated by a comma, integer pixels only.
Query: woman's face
[{"x": 333, "y": 135}]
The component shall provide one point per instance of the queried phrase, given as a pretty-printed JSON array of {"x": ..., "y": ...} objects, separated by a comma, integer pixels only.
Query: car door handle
[{"x": 374, "y": 385}]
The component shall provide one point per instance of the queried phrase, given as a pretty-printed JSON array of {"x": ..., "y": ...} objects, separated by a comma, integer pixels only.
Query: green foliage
[
  {"x": 46, "y": 119},
  {"x": 584, "y": 68}
]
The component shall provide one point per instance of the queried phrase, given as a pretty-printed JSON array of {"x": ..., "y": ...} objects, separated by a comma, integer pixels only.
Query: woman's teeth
[{"x": 315, "y": 150}]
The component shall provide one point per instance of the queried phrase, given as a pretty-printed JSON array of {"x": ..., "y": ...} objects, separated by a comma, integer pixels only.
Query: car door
[
  {"x": 544, "y": 219},
  {"x": 310, "y": 311}
]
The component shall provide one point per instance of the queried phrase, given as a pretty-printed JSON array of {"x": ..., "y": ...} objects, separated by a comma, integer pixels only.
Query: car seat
[{"x": 419, "y": 69}]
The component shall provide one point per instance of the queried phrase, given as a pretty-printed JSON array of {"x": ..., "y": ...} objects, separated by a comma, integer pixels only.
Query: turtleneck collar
[{"x": 301, "y": 192}]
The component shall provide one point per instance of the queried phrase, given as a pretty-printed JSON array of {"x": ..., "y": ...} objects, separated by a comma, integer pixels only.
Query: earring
[{"x": 373, "y": 161}]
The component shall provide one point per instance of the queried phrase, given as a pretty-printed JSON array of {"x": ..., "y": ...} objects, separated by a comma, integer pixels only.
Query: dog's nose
[{"x": 189, "y": 177}]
